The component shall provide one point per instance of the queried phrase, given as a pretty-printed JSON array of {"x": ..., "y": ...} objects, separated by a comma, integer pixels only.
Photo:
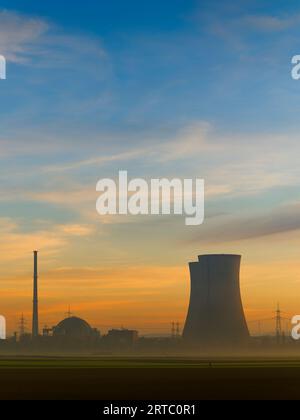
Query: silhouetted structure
[
  {"x": 22, "y": 326},
  {"x": 71, "y": 334},
  {"x": 35, "y": 314},
  {"x": 121, "y": 338},
  {"x": 73, "y": 327},
  {"x": 215, "y": 314},
  {"x": 279, "y": 333}
]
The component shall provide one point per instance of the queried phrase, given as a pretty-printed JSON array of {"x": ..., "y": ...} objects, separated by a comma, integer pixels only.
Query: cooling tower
[{"x": 215, "y": 314}]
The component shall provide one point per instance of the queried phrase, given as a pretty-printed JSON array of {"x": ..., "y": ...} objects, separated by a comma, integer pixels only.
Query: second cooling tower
[{"x": 215, "y": 314}]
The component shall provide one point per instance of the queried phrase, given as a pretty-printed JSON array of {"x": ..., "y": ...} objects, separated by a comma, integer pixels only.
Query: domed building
[
  {"x": 74, "y": 333},
  {"x": 73, "y": 327}
]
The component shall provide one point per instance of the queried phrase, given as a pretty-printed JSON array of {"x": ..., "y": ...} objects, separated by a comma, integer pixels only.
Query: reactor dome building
[
  {"x": 215, "y": 315},
  {"x": 73, "y": 327}
]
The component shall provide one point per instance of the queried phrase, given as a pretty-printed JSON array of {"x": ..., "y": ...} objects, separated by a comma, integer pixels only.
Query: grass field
[{"x": 148, "y": 378}]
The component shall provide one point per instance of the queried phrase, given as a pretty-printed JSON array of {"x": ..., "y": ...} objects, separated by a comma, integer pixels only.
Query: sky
[{"x": 160, "y": 89}]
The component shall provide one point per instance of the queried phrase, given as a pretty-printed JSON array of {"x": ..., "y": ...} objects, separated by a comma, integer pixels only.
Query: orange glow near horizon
[{"x": 146, "y": 298}]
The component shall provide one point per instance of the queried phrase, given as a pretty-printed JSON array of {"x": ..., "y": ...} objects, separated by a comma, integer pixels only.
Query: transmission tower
[
  {"x": 22, "y": 326},
  {"x": 278, "y": 324}
]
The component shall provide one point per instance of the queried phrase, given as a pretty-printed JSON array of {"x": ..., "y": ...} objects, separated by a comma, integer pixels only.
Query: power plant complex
[
  {"x": 215, "y": 317},
  {"x": 215, "y": 314}
]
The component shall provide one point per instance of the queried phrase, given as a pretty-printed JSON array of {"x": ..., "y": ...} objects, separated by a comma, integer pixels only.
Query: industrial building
[
  {"x": 121, "y": 339},
  {"x": 74, "y": 327},
  {"x": 215, "y": 315}
]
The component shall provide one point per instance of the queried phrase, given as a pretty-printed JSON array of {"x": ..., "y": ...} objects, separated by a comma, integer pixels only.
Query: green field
[
  {"x": 142, "y": 362},
  {"x": 148, "y": 378}
]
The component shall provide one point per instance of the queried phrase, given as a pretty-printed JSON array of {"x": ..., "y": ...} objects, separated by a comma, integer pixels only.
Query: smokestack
[{"x": 35, "y": 315}]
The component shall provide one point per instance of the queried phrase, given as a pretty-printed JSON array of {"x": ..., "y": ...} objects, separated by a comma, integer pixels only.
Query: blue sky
[
  {"x": 161, "y": 88},
  {"x": 164, "y": 64},
  {"x": 105, "y": 78}
]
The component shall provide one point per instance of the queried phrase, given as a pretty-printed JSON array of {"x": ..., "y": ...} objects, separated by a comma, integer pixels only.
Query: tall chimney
[{"x": 35, "y": 315}]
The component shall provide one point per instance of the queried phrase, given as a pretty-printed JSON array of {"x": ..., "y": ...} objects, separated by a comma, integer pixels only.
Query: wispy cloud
[
  {"x": 232, "y": 228},
  {"x": 271, "y": 23},
  {"x": 16, "y": 244},
  {"x": 25, "y": 38},
  {"x": 191, "y": 140},
  {"x": 20, "y": 35}
]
